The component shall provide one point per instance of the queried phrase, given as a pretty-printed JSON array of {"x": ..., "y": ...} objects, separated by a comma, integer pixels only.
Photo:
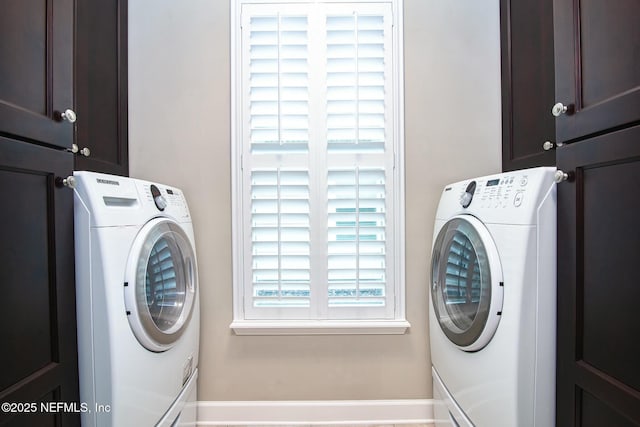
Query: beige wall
[{"x": 180, "y": 134}]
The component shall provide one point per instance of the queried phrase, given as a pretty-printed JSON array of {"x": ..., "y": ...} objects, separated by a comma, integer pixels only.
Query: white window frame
[{"x": 397, "y": 323}]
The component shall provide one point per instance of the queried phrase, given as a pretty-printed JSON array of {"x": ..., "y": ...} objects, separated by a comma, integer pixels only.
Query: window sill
[{"x": 320, "y": 327}]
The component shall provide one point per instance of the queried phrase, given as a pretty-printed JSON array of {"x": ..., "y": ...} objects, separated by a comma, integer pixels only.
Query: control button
[
  {"x": 517, "y": 200},
  {"x": 523, "y": 181}
]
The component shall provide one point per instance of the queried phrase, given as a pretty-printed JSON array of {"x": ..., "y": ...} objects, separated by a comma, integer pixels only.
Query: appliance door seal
[
  {"x": 466, "y": 283},
  {"x": 160, "y": 284}
]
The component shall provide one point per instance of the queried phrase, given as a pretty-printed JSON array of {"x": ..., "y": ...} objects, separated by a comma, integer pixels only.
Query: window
[{"x": 317, "y": 150}]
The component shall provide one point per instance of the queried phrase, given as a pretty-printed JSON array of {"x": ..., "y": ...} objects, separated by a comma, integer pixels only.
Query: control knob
[
  {"x": 467, "y": 197},
  {"x": 158, "y": 198}
]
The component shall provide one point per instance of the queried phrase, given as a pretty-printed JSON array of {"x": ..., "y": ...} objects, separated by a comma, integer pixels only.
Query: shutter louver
[
  {"x": 463, "y": 281},
  {"x": 355, "y": 83},
  {"x": 278, "y": 84},
  {"x": 356, "y": 238},
  {"x": 280, "y": 238},
  {"x": 161, "y": 275}
]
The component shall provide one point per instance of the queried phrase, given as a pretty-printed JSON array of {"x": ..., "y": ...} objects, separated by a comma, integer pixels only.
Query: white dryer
[
  {"x": 137, "y": 302},
  {"x": 493, "y": 301}
]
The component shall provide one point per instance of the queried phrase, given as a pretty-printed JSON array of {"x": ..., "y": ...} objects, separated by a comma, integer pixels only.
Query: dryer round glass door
[
  {"x": 160, "y": 285},
  {"x": 466, "y": 283}
]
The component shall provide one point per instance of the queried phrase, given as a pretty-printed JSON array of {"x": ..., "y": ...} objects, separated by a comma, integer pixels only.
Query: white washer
[
  {"x": 493, "y": 301},
  {"x": 137, "y": 302}
]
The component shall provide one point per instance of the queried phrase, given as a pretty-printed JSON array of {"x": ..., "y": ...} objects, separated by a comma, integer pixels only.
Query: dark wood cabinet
[
  {"x": 598, "y": 251},
  {"x": 36, "y": 73},
  {"x": 54, "y": 55},
  {"x": 38, "y": 317},
  {"x": 597, "y": 53},
  {"x": 101, "y": 86},
  {"x": 526, "y": 28},
  {"x": 597, "y": 56},
  {"x": 61, "y": 55}
]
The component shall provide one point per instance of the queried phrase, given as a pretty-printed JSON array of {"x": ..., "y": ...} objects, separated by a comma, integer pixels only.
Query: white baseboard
[{"x": 325, "y": 412}]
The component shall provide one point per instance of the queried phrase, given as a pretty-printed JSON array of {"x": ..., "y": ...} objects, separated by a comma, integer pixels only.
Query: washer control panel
[{"x": 116, "y": 200}]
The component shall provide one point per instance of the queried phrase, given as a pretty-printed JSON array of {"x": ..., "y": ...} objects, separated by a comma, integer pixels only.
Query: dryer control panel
[
  {"x": 505, "y": 191},
  {"x": 510, "y": 196}
]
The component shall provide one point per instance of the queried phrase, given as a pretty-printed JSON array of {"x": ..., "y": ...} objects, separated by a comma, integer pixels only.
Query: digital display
[
  {"x": 493, "y": 182},
  {"x": 169, "y": 191}
]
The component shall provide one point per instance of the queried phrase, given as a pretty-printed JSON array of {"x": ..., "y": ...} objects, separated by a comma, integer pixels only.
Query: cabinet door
[
  {"x": 37, "y": 319},
  {"x": 101, "y": 86},
  {"x": 36, "y": 42},
  {"x": 526, "y": 31},
  {"x": 597, "y": 54},
  {"x": 598, "y": 376}
]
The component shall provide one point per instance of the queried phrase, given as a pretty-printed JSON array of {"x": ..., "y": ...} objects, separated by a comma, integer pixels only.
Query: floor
[{"x": 336, "y": 425}]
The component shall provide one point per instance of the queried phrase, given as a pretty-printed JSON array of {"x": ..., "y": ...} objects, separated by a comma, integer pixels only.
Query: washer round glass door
[
  {"x": 466, "y": 283},
  {"x": 160, "y": 284}
]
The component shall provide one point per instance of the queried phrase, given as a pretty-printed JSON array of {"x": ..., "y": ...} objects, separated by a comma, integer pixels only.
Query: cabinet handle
[
  {"x": 67, "y": 115},
  {"x": 560, "y": 109},
  {"x": 69, "y": 182},
  {"x": 85, "y": 152},
  {"x": 562, "y": 176}
]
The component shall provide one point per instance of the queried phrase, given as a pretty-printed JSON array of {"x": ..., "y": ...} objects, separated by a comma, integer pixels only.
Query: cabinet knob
[
  {"x": 69, "y": 182},
  {"x": 68, "y": 115},
  {"x": 76, "y": 150},
  {"x": 561, "y": 176},
  {"x": 560, "y": 109},
  {"x": 548, "y": 145}
]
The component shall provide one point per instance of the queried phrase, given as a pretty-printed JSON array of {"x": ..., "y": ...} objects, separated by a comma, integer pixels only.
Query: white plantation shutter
[
  {"x": 278, "y": 83},
  {"x": 359, "y": 145},
  {"x": 280, "y": 238},
  {"x": 356, "y": 59},
  {"x": 357, "y": 246},
  {"x": 319, "y": 199}
]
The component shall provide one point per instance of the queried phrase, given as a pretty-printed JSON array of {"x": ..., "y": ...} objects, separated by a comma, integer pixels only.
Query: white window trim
[{"x": 242, "y": 326}]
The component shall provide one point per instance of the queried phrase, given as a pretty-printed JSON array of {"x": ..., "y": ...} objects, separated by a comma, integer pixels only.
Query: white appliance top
[
  {"x": 505, "y": 198},
  {"x": 117, "y": 201}
]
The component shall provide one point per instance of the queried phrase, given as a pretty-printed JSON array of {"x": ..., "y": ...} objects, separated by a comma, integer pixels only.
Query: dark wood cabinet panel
[
  {"x": 36, "y": 71},
  {"x": 38, "y": 320},
  {"x": 598, "y": 248},
  {"x": 598, "y": 79},
  {"x": 597, "y": 45},
  {"x": 526, "y": 28},
  {"x": 38, "y": 59},
  {"x": 101, "y": 85}
]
